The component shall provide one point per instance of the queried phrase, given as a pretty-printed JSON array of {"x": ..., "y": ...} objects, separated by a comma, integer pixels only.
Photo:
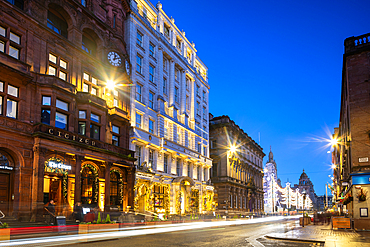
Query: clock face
[
  {"x": 127, "y": 67},
  {"x": 114, "y": 58}
]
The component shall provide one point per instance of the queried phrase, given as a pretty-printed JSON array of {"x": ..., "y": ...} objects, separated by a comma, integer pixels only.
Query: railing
[{"x": 353, "y": 43}]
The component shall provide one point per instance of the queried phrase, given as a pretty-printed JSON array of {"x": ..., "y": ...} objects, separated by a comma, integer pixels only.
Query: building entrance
[
  {"x": 4, "y": 193},
  {"x": 53, "y": 190}
]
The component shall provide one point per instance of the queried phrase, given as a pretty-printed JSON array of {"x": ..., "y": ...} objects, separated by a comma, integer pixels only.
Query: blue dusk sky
[{"x": 275, "y": 68}]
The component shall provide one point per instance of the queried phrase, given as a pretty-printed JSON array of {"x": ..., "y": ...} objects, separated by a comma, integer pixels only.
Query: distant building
[
  {"x": 321, "y": 202},
  {"x": 351, "y": 154},
  {"x": 305, "y": 185},
  {"x": 237, "y": 168},
  {"x": 270, "y": 179}
]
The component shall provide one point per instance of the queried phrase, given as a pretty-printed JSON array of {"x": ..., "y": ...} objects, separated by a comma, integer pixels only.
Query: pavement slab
[{"x": 324, "y": 234}]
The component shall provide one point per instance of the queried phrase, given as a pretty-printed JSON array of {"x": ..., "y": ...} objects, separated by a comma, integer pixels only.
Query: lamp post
[{"x": 304, "y": 202}]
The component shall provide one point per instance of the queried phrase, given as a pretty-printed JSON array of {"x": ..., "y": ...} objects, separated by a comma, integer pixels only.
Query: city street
[{"x": 233, "y": 235}]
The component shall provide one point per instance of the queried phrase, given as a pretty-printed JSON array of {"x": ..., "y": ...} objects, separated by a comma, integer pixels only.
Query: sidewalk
[{"x": 324, "y": 234}]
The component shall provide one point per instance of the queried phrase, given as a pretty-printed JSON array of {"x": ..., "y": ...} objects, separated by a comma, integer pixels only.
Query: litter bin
[{"x": 61, "y": 223}]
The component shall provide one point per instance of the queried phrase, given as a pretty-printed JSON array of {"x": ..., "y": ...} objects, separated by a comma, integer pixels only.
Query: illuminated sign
[
  {"x": 144, "y": 175},
  {"x": 56, "y": 165},
  {"x": 6, "y": 168},
  {"x": 365, "y": 159}
]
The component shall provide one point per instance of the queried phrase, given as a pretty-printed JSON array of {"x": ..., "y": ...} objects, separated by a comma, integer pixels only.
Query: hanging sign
[
  {"x": 55, "y": 165},
  {"x": 6, "y": 167}
]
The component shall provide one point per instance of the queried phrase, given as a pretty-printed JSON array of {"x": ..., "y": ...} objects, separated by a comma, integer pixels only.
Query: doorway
[
  {"x": 53, "y": 191},
  {"x": 4, "y": 193}
]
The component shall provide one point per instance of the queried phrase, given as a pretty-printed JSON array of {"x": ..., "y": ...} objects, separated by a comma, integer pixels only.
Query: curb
[{"x": 295, "y": 239}]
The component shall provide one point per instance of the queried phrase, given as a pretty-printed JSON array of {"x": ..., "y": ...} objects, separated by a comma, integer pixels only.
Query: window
[
  {"x": 58, "y": 67},
  {"x": 115, "y": 138},
  {"x": 166, "y": 130},
  {"x": 94, "y": 92},
  {"x": 231, "y": 201},
  {"x": 187, "y": 84},
  {"x": 13, "y": 44},
  {"x": 85, "y": 88},
  {"x": 167, "y": 31},
  {"x": 151, "y": 158},
  {"x": 62, "y": 105},
  {"x": 164, "y": 85},
  {"x": 151, "y": 49},
  {"x": 138, "y": 92},
  {"x": 204, "y": 112},
  {"x": 190, "y": 141},
  {"x": 198, "y": 172},
  {"x": 151, "y": 100},
  {"x": 45, "y": 116},
  {"x": 165, "y": 163},
  {"x": 82, "y": 114},
  {"x": 151, "y": 126},
  {"x": 88, "y": 44},
  {"x": 198, "y": 93},
  {"x": 177, "y": 74},
  {"x": 178, "y": 45},
  {"x": 83, "y": 2},
  {"x": 115, "y": 141},
  {"x": 13, "y": 91},
  {"x": 205, "y": 151},
  {"x": 17, "y": 3},
  {"x": 199, "y": 148},
  {"x": 138, "y": 155},
  {"x": 138, "y": 120},
  {"x": 89, "y": 84},
  {"x": 114, "y": 21},
  {"x": 139, "y": 64},
  {"x": 82, "y": 128},
  {"x": 178, "y": 166},
  {"x": 176, "y": 95},
  {"x": 198, "y": 108},
  {"x": 204, "y": 96},
  {"x": 95, "y": 131},
  {"x": 95, "y": 118},
  {"x": 46, "y": 100},
  {"x": 205, "y": 174},
  {"x": 179, "y": 136},
  {"x": 189, "y": 170},
  {"x": 151, "y": 73},
  {"x": 165, "y": 64},
  {"x": 61, "y": 120},
  {"x": 115, "y": 102},
  {"x": 57, "y": 23},
  {"x": 139, "y": 39},
  {"x": 187, "y": 102}
]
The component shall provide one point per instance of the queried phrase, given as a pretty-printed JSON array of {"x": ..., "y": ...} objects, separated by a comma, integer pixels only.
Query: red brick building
[
  {"x": 351, "y": 155},
  {"x": 64, "y": 130}
]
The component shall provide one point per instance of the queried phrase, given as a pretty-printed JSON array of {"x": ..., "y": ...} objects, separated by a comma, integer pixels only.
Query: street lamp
[{"x": 304, "y": 202}]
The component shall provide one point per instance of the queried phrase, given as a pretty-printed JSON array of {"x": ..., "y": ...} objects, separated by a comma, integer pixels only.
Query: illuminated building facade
[
  {"x": 169, "y": 112},
  {"x": 277, "y": 198},
  {"x": 237, "y": 169},
  {"x": 64, "y": 135},
  {"x": 351, "y": 154}
]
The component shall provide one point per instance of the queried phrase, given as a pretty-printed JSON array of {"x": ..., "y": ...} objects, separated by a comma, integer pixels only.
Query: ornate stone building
[
  {"x": 306, "y": 185},
  {"x": 237, "y": 168},
  {"x": 170, "y": 115},
  {"x": 64, "y": 129}
]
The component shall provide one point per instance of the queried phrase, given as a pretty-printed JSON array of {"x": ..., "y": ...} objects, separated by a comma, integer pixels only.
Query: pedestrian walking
[{"x": 78, "y": 214}]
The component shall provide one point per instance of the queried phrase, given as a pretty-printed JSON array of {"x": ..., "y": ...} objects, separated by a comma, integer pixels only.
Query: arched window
[
  {"x": 57, "y": 23},
  {"x": 87, "y": 188},
  {"x": 88, "y": 44},
  {"x": 114, "y": 188}
]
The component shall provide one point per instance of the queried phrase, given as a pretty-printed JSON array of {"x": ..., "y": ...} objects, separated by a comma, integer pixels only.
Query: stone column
[
  {"x": 130, "y": 187},
  {"x": 108, "y": 165},
  {"x": 183, "y": 92},
  {"x": 171, "y": 82},
  {"x": 38, "y": 181},
  {"x": 78, "y": 178}
]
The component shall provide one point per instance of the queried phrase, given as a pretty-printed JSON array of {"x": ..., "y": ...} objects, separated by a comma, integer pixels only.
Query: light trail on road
[{"x": 135, "y": 231}]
